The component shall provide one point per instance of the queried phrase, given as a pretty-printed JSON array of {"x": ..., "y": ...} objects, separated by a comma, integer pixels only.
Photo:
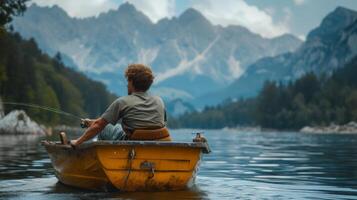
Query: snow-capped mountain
[
  {"x": 327, "y": 47},
  {"x": 188, "y": 54}
]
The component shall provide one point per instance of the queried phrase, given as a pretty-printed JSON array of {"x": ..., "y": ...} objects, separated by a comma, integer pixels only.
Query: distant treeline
[
  {"x": 309, "y": 100},
  {"x": 28, "y": 75}
]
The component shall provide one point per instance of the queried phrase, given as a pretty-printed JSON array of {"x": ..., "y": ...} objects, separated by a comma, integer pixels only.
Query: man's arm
[{"x": 97, "y": 126}]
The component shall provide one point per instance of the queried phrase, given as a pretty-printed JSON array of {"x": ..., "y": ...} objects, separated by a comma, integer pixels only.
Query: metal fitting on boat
[
  {"x": 131, "y": 154},
  {"x": 150, "y": 166},
  {"x": 63, "y": 137},
  {"x": 199, "y": 138}
]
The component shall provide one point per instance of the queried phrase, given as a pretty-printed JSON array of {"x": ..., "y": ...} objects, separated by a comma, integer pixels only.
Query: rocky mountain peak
[
  {"x": 286, "y": 36},
  {"x": 192, "y": 14},
  {"x": 126, "y": 12},
  {"x": 127, "y": 7},
  {"x": 344, "y": 11},
  {"x": 53, "y": 10},
  {"x": 329, "y": 46},
  {"x": 337, "y": 20}
]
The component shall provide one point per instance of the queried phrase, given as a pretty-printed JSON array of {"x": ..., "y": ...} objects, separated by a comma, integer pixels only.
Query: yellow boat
[{"x": 127, "y": 165}]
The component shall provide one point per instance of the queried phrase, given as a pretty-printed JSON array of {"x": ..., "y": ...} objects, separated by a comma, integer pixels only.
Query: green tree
[
  {"x": 268, "y": 104},
  {"x": 10, "y": 8},
  {"x": 351, "y": 105}
]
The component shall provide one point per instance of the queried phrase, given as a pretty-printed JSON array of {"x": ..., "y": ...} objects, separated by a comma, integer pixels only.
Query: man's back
[{"x": 137, "y": 111}]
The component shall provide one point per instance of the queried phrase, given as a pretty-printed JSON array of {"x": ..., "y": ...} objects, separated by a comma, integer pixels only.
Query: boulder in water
[{"x": 17, "y": 122}]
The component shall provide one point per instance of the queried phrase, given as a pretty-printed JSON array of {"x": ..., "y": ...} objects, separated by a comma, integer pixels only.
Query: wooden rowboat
[{"x": 127, "y": 165}]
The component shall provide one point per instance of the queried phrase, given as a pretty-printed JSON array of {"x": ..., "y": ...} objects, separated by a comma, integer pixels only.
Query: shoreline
[
  {"x": 349, "y": 128},
  {"x": 18, "y": 123}
]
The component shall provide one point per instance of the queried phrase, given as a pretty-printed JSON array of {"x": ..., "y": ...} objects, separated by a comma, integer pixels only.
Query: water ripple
[{"x": 242, "y": 165}]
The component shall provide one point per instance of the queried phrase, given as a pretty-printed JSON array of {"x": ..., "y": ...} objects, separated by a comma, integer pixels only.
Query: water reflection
[
  {"x": 21, "y": 157},
  {"x": 47, "y": 187},
  {"x": 246, "y": 165}
]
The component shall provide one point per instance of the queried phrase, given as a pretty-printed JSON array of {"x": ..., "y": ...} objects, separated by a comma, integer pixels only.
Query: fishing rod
[{"x": 54, "y": 110}]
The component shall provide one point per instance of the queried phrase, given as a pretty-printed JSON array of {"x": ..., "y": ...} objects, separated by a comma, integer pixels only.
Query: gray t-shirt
[{"x": 138, "y": 110}]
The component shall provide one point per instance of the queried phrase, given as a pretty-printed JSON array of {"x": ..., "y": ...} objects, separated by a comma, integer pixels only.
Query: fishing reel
[{"x": 84, "y": 124}]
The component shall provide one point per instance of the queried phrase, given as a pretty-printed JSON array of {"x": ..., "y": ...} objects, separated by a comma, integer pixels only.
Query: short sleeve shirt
[{"x": 135, "y": 111}]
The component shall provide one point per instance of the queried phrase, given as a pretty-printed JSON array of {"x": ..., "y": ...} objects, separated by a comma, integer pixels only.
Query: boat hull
[
  {"x": 79, "y": 168},
  {"x": 127, "y": 165}
]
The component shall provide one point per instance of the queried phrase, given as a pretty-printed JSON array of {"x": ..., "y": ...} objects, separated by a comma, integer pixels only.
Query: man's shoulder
[
  {"x": 129, "y": 99},
  {"x": 124, "y": 99},
  {"x": 159, "y": 100},
  {"x": 121, "y": 100},
  {"x": 155, "y": 97}
]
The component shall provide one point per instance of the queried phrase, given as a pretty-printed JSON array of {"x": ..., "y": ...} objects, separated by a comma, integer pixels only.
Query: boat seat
[{"x": 161, "y": 134}]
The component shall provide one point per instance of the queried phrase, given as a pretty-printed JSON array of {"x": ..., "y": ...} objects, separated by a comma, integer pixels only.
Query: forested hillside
[
  {"x": 310, "y": 100},
  {"x": 28, "y": 75}
]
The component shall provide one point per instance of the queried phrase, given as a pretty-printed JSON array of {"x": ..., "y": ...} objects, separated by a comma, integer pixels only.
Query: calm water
[{"x": 243, "y": 165}]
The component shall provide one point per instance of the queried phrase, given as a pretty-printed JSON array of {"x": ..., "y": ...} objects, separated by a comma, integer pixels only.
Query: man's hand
[
  {"x": 74, "y": 143},
  {"x": 87, "y": 122},
  {"x": 95, "y": 127}
]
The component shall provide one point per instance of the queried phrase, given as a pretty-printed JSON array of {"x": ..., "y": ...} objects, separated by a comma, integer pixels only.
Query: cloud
[
  {"x": 238, "y": 12},
  {"x": 156, "y": 9},
  {"x": 80, "y": 8},
  {"x": 231, "y": 12},
  {"x": 299, "y": 2}
]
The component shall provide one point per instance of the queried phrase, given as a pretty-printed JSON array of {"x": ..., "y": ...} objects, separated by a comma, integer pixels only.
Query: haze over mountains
[
  {"x": 190, "y": 56},
  {"x": 193, "y": 60},
  {"x": 327, "y": 47}
]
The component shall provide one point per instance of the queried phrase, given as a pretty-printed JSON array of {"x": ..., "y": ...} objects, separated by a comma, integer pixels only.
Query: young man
[{"x": 138, "y": 110}]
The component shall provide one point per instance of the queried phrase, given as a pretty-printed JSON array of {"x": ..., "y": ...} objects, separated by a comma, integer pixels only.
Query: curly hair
[{"x": 140, "y": 75}]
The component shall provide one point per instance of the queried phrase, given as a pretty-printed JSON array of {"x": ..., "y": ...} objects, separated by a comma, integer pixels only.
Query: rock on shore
[
  {"x": 17, "y": 122},
  {"x": 351, "y": 127}
]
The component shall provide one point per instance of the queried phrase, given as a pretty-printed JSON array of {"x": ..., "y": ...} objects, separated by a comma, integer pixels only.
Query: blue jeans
[{"x": 112, "y": 132}]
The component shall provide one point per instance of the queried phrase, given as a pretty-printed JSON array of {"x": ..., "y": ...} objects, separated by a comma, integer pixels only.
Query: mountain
[
  {"x": 178, "y": 107},
  {"x": 188, "y": 54},
  {"x": 327, "y": 47},
  {"x": 309, "y": 100}
]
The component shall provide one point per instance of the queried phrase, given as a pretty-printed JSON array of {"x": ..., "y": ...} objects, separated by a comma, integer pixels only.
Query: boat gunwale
[{"x": 201, "y": 145}]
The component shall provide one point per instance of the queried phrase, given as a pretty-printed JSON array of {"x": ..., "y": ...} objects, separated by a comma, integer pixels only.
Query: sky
[{"x": 268, "y": 18}]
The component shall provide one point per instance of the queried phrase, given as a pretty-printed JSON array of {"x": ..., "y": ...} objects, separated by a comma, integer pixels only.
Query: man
[{"x": 138, "y": 110}]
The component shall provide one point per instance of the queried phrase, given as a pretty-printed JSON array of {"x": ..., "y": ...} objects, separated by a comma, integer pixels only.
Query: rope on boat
[{"x": 131, "y": 158}]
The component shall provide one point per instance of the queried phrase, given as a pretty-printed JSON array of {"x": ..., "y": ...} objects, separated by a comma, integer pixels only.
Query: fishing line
[{"x": 54, "y": 110}]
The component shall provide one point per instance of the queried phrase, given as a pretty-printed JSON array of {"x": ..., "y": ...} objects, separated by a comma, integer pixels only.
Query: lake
[{"x": 242, "y": 165}]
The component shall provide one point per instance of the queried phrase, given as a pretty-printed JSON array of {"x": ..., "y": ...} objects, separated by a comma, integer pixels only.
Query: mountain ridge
[
  {"x": 184, "y": 51},
  {"x": 326, "y": 48}
]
